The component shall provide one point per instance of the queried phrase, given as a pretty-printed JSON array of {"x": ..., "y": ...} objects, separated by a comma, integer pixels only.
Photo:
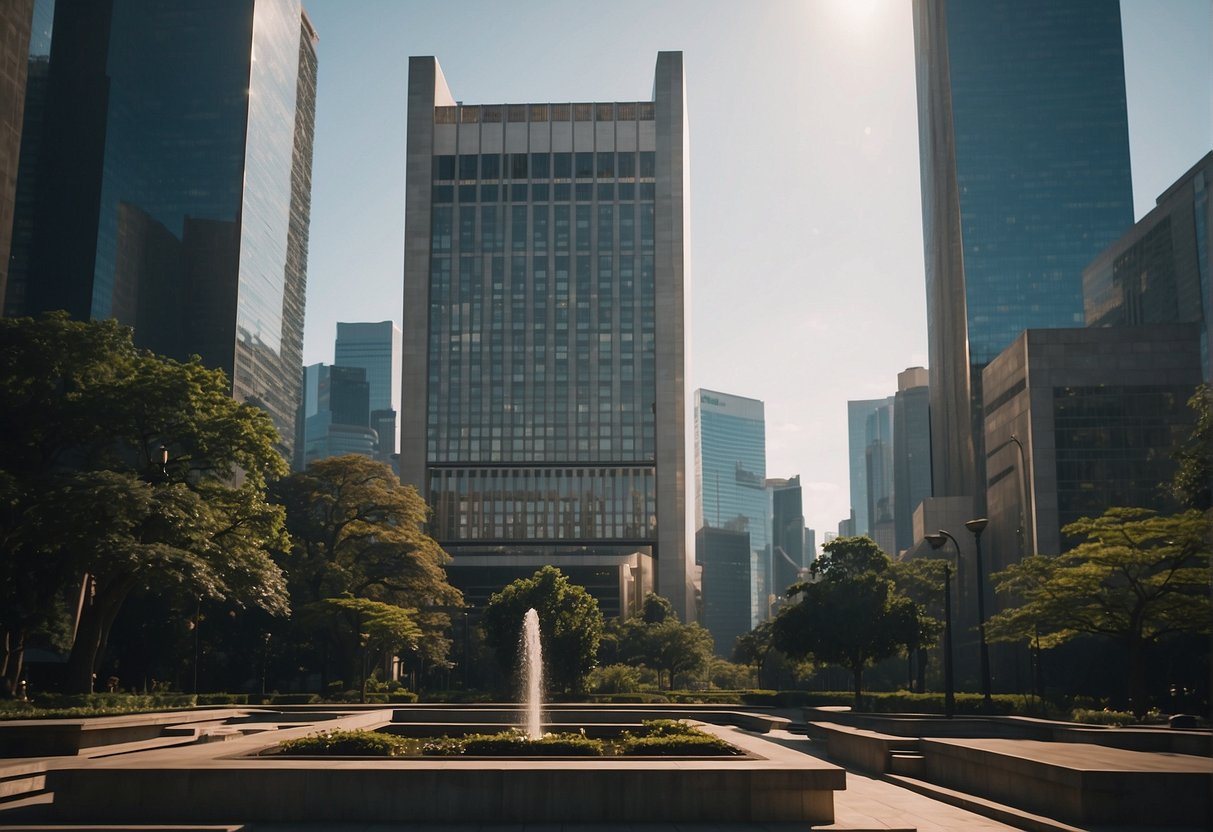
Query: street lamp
[
  {"x": 977, "y": 527},
  {"x": 949, "y": 686}
]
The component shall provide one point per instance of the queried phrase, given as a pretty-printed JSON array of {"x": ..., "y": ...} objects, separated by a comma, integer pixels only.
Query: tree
[
  {"x": 922, "y": 581},
  {"x": 373, "y": 628},
  {"x": 570, "y": 627},
  {"x": 852, "y": 614},
  {"x": 1193, "y": 483},
  {"x": 754, "y": 647},
  {"x": 656, "y": 638},
  {"x": 1136, "y": 579},
  {"x": 357, "y": 532},
  {"x": 84, "y": 418}
]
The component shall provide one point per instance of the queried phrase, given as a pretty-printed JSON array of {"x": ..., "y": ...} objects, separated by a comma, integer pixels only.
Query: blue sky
[{"x": 804, "y": 165}]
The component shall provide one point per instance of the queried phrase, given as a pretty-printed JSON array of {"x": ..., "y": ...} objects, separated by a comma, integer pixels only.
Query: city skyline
[{"x": 821, "y": 203}]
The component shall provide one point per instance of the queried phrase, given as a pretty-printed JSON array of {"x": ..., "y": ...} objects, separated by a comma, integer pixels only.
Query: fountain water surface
[{"x": 532, "y": 676}]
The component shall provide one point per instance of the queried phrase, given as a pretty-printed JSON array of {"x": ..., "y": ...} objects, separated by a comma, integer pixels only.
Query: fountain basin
[{"x": 225, "y": 783}]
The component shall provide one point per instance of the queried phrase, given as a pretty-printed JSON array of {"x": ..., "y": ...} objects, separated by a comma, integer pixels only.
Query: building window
[
  {"x": 445, "y": 115},
  {"x": 516, "y": 112}
]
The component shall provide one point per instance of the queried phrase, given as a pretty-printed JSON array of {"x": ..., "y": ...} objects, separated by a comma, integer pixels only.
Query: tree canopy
[
  {"x": 83, "y": 418},
  {"x": 1193, "y": 483},
  {"x": 570, "y": 627},
  {"x": 656, "y": 638},
  {"x": 356, "y": 532},
  {"x": 851, "y": 614},
  {"x": 1137, "y": 578}
]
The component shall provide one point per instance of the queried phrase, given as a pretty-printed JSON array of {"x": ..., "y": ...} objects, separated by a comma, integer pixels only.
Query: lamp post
[
  {"x": 949, "y": 685},
  {"x": 977, "y": 527}
]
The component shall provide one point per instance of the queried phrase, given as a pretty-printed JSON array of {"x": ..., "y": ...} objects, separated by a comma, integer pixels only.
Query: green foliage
[
  {"x": 76, "y": 706},
  {"x": 615, "y": 678},
  {"x": 223, "y": 699},
  {"x": 285, "y": 699},
  {"x": 358, "y": 535},
  {"x": 513, "y": 743},
  {"x": 657, "y": 639},
  {"x": 667, "y": 728},
  {"x": 570, "y": 627},
  {"x": 678, "y": 745},
  {"x": 1193, "y": 483},
  {"x": 726, "y": 675},
  {"x": 852, "y": 615},
  {"x": 642, "y": 698},
  {"x": 1136, "y": 579},
  {"x": 346, "y": 744},
  {"x": 82, "y": 416},
  {"x": 656, "y": 610}
]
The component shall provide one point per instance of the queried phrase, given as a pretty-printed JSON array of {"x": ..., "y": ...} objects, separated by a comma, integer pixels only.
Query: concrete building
[
  {"x": 172, "y": 183},
  {"x": 730, "y": 483},
  {"x": 911, "y": 452},
  {"x": 1024, "y": 147},
  {"x": 544, "y": 415},
  {"x": 375, "y": 347},
  {"x": 1158, "y": 271},
  {"x": 15, "y": 22}
]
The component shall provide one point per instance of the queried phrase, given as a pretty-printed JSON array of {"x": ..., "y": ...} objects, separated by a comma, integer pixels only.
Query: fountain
[{"x": 531, "y": 670}]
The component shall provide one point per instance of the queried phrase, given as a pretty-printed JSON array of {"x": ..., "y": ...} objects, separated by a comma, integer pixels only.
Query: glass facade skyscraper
[
  {"x": 375, "y": 347},
  {"x": 864, "y": 429},
  {"x": 543, "y": 413},
  {"x": 1023, "y": 136},
  {"x": 730, "y": 483},
  {"x": 174, "y": 179}
]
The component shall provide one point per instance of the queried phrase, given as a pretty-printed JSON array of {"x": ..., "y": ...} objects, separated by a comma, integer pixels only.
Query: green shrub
[
  {"x": 347, "y": 744},
  {"x": 615, "y": 678},
  {"x": 511, "y": 743},
  {"x": 291, "y": 699},
  {"x": 223, "y": 699},
  {"x": 667, "y": 728},
  {"x": 631, "y": 698},
  {"x": 676, "y": 745},
  {"x": 1105, "y": 716}
]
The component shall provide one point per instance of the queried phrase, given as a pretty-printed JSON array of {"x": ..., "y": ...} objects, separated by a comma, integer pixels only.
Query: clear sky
[{"x": 806, "y": 242}]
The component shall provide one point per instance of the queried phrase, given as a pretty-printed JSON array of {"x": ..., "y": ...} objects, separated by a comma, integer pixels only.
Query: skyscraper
[
  {"x": 862, "y": 430},
  {"x": 911, "y": 452},
  {"x": 173, "y": 183},
  {"x": 376, "y": 348},
  {"x": 788, "y": 534},
  {"x": 544, "y": 409},
  {"x": 335, "y": 416},
  {"x": 730, "y": 483},
  {"x": 1024, "y": 145},
  {"x": 15, "y": 19}
]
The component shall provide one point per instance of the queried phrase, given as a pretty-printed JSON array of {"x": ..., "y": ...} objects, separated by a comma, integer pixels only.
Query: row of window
[
  {"x": 515, "y": 113},
  {"x": 543, "y": 192},
  {"x": 485, "y": 229},
  {"x": 580, "y": 165}
]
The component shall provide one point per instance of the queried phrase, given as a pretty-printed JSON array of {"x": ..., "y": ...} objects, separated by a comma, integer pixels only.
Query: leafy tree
[
  {"x": 84, "y": 417},
  {"x": 754, "y": 647},
  {"x": 570, "y": 627},
  {"x": 1136, "y": 579},
  {"x": 852, "y": 614},
  {"x": 357, "y": 532},
  {"x": 373, "y": 628},
  {"x": 921, "y": 580},
  {"x": 656, "y": 638},
  {"x": 1193, "y": 483}
]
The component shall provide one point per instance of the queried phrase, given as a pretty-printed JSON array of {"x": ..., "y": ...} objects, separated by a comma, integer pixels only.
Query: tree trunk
[
  {"x": 91, "y": 635},
  {"x": 857, "y": 673},
  {"x": 10, "y": 668},
  {"x": 922, "y": 669},
  {"x": 1137, "y": 677}
]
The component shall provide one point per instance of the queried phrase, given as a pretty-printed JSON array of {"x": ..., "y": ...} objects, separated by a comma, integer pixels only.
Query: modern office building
[
  {"x": 726, "y": 558},
  {"x": 172, "y": 183},
  {"x": 335, "y": 415},
  {"x": 730, "y": 484},
  {"x": 870, "y": 449},
  {"x": 788, "y": 553},
  {"x": 911, "y": 452},
  {"x": 15, "y": 20},
  {"x": 376, "y": 347},
  {"x": 544, "y": 410},
  {"x": 1158, "y": 272},
  {"x": 1024, "y": 146}
]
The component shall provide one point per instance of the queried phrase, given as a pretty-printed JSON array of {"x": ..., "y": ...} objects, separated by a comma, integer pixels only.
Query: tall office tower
[
  {"x": 1158, "y": 272},
  {"x": 173, "y": 180},
  {"x": 787, "y": 534},
  {"x": 15, "y": 20},
  {"x": 858, "y": 439},
  {"x": 911, "y": 452},
  {"x": 810, "y": 546},
  {"x": 1024, "y": 146},
  {"x": 730, "y": 483},
  {"x": 544, "y": 410},
  {"x": 726, "y": 561},
  {"x": 335, "y": 416},
  {"x": 878, "y": 457},
  {"x": 376, "y": 348}
]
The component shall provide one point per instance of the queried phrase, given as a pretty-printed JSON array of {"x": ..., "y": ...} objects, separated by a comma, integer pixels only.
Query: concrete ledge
[
  {"x": 1077, "y": 783},
  {"x": 66, "y": 737},
  {"x": 865, "y": 750},
  {"x": 557, "y": 716}
]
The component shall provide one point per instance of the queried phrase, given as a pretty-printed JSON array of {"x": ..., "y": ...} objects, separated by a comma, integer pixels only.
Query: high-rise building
[
  {"x": 376, "y": 348},
  {"x": 878, "y": 457},
  {"x": 1024, "y": 146},
  {"x": 788, "y": 556},
  {"x": 730, "y": 483},
  {"x": 173, "y": 181},
  {"x": 15, "y": 20},
  {"x": 544, "y": 410},
  {"x": 726, "y": 558},
  {"x": 911, "y": 452},
  {"x": 1159, "y": 271},
  {"x": 864, "y": 428},
  {"x": 335, "y": 416}
]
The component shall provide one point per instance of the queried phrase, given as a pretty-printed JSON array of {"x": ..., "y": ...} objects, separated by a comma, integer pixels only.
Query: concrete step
[
  {"x": 981, "y": 806},
  {"x": 910, "y": 763},
  {"x": 20, "y": 780}
]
